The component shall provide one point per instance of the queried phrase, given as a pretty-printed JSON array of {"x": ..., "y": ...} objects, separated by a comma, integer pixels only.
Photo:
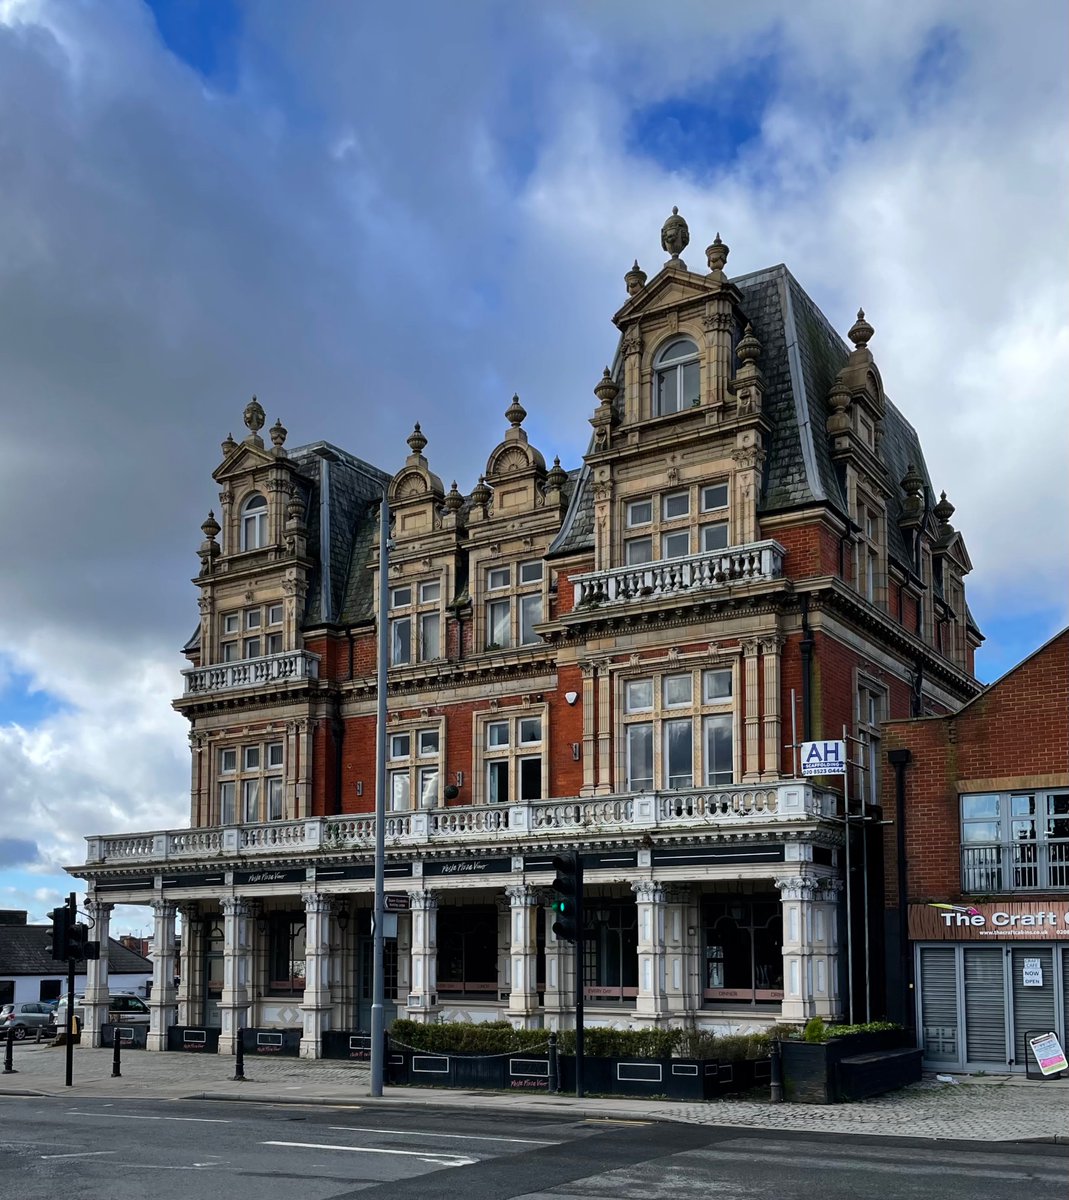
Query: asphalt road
[{"x": 69, "y": 1148}]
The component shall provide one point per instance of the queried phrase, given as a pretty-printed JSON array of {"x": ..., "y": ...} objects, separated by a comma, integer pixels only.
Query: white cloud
[{"x": 395, "y": 220}]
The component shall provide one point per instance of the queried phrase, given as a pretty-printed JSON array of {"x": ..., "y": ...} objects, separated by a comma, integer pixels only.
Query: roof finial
[
  {"x": 675, "y": 236},
  {"x": 635, "y": 279},
  {"x": 860, "y": 331},
  {"x": 515, "y": 412},
  {"x": 416, "y": 440},
  {"x": 254, "y": 417},
  {"x": 716, "y": 255}
]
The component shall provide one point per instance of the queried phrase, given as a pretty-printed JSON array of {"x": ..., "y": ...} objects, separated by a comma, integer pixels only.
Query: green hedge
[
  {"x": 499, "y": 1037},
  {"x": 817, "y": 1031}
]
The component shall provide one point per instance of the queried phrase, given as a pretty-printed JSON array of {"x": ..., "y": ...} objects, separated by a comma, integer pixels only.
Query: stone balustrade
[
  {"x": 289, "y": 666},
  {"x": 735, "y": 808},
  {"x": 674, "y": 576}
]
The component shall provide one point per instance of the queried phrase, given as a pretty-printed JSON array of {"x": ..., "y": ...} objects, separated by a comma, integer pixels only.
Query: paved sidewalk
[{"x": 1000, "y": 1108}]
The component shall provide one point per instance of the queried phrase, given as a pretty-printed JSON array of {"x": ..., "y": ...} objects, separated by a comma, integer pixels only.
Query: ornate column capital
[
  {"x": 797, "y": 887},
  {"x": 234, "y": 906},
  {"x": 648, "y": 891},
  {"x": 316, "y": 902},
  {"x": 522, "y": 895},
  {"x": 164, "y": 909},
  {"x": 424, "y": 899},
  {"x": 98, "y": 908}
]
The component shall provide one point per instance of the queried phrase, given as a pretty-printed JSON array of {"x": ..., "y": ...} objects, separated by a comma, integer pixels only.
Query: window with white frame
[
  {"x": 1014, "y": 841},
  {"x": 414, "y": 768},
  {"x": 250, "y": 781},
  {"x": 676, "y": 523},
  {"x": 515, "y": 604},
  {"x": 254, "y": 523},
  {"x": 676, "y": 377},
  {"x": 415, "y": 622},
  {"x": 679, "y": 729},
  {"x": 251, "y": 632},
  {"x": 512, "y": 752}
]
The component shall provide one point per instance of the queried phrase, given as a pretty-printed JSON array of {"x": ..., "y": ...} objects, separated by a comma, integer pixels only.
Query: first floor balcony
[
  {"x": 691, "y": 811},
  {"x": 1026, "y": 866}
]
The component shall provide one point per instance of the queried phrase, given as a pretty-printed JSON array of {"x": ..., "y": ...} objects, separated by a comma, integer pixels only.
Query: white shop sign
[{"x": 1032, "y": 974}]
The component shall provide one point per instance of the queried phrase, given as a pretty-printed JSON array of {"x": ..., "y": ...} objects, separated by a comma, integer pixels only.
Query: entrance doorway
[{"x": 365, "y": 951}]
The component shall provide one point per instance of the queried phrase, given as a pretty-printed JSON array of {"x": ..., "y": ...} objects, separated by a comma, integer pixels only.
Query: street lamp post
[{"x": 378, "y": 1022}]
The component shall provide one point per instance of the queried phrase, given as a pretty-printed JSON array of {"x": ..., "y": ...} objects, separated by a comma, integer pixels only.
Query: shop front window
[
  {"x": 743, "y": 950},
  {"x": 285, "y": 954},
  {"x": 610, "y": 951},
  {"x": 467, "y": 952}
]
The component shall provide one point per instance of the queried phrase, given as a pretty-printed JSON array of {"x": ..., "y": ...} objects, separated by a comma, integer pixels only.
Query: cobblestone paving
[{"x": 984, "y": 1108}]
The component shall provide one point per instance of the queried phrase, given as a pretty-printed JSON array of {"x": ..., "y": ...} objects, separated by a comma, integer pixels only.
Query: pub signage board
[
  {"x": 329, "y": 874},
  {"x": 1010, "y": 920},
  {"x": 266, "y": 875},
  {"x": 469, "y": 866}
]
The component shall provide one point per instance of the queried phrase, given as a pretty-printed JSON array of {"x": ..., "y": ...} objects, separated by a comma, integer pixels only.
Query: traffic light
[
  {"x": 58, "y": 936},
  {"x": 77, "y": 939},
  {"x": 568, "y": 902}
]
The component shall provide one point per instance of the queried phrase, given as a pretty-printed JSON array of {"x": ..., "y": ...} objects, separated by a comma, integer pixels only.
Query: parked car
[
  {"x": 25, "y": 1018},
  {"x": 124, "y": 1008}
]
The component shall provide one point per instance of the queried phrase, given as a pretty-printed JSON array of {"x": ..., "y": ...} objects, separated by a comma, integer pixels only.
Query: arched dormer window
[
  {"x": 676, "y": 383},
  {"x": 254, "y": 523}
]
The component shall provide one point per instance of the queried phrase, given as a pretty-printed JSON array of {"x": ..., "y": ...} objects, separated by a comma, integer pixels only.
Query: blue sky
[{"x": 375, "y": 215}]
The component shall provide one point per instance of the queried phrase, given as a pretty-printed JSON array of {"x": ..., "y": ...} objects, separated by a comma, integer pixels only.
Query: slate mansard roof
[{"x": 24, "y": 951}]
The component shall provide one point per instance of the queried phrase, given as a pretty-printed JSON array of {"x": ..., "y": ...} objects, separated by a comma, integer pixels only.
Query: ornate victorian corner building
[{"x": 616, "y": 659}]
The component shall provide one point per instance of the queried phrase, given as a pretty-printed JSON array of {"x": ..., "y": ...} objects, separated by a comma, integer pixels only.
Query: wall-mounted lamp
[
  {"x": 343, "y": 919},
  {"x": 571, "y": 697},
  {"x": 575, "y": 751},
  {"x": 261, "y": 923}
]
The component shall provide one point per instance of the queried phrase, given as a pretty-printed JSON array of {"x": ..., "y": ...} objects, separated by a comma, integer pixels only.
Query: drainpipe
[
  {"x": 806, "y": 648},
  {"x": 900, "y": 760}
]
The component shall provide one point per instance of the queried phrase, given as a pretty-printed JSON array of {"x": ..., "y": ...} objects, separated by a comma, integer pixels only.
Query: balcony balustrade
[
  {"x": 1028, "y": 866},
  {"x": 676, "y": 576},
  {"x": 693, "y": 810},
  {"x": 252, "y": 672}
]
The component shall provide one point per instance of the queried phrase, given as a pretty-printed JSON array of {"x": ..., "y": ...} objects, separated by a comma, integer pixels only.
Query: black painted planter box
[
  {"x": 675, "y": 1078},
  {"x": 349, "y": 1044},
  {"x": 285, "y": 1042},
  {"x": 813, "y": 1071},
  {"x": 193, "y": 1039},
  {"x": 132, "y": 1037}
]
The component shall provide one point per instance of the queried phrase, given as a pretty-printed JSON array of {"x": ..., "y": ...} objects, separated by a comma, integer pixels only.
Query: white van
[{"x": 124, "y": 1008}]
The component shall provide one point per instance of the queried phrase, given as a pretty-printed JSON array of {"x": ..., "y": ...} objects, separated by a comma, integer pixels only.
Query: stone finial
[
  {"x": 278, "y": 433},
  {"x": 716, "y": 255},
  {"x": 556, "y": 476},
  {"x": 749, "y": 348},
  {"x": 416, "y": 439},
  {"x": 606, "y": 389},
  {"x": 515, "y": 412},
  {"x": 454, "y": 501},
  {"x": 911, "y": 483},
  {"x": 254, "y": 417},
  {"x": 635, "y": 279},
  {"x": 675, "y": 235},
  {"x": 944, "y": 510},
  {"x": 229, "y": 446},
  {"x": 861, "y": 331},
  {"x": 294, "y": 508},
  {"x": 480, "y": 493},
  {"x": 210, "y": 528},
  {"x": 839, "y": 403}
]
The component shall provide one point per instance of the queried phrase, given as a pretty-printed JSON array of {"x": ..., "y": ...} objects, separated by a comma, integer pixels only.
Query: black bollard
[
  {"x": 9, "y": 1052},
  {"x": 554, "y": 1077},
  {"x": 775, "y": 1090},
  {"x": 116, "y": 1060},
  {"x": 239, "y": 1058}
]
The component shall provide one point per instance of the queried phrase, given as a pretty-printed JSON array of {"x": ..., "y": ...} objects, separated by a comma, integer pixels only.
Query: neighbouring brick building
[
  {"x": 616, "y": 659},
  {"x": 979, "y": 868}
]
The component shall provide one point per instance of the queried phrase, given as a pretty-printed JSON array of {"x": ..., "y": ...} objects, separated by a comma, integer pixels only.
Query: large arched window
[
  {"x": 675, "y": 377},
  {"x": 254, "y": 523}
]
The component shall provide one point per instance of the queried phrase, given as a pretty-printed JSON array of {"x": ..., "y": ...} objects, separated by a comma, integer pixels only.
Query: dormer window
[
  {"x": 254, "y": 523},
  {"x": 676, "y": 383}
]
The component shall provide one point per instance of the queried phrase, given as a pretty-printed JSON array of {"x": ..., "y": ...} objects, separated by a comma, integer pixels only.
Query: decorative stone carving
[
  {"x": 861, "y": 331},
  {"x": 254, "y": 418},
  {"x": 229, "y": 446},
  {"x": 716, "y": 255},
  {"x": 515, "y": 413},
  {"x": 635, "y": 279},
  {"x": 416, "y": 440},
  {"x": 675, "y": 235},
  {"x": 278, "y": 433},
  {"x": 631, "y": 343}
]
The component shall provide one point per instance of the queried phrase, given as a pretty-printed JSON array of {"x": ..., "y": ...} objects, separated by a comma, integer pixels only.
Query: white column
[
  {"x": 96, "y": 972},
  {"x": 423, "y": 998},
  {"x": 343, "y": 1000},
  {"x": 676, "y": 952},
  {"x": 234, "y": 1002},
  {"x": 523, "y": 1009},
  {"x": 189, "y": 981},
  {"x": 652, "y": 1003},
  {"x": 162, "y": 1003},
  {"x": 809, "y": 949},
  {"x": 315, "y": 1004},
  {"x": 559, "y": 996},
  {"x": 751, "y": 711}
]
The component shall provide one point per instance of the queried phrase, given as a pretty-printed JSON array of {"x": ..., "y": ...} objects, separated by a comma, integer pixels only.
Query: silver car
[{"x": 25, "y": 1018}]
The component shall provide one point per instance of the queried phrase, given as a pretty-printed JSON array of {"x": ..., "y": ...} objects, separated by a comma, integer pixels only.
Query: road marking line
[
  {"x": 442, "y": 1160},
  {"x": 75, "y": 1112},
  {"x": 613, "y": 1121},
  {"x": 462, "y": 1137},
  {"x": 80, "y": 1154}
]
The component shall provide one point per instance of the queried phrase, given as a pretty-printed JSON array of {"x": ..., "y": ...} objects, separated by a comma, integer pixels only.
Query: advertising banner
[{"x": 1010, "y": 920}]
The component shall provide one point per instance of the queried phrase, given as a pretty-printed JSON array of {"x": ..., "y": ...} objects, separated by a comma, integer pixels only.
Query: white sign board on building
[
  {"x": 1032, "y": 976},
  {"x": 823, "y": 758}
]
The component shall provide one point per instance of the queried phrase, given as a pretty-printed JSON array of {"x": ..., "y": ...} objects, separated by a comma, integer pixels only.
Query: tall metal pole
[
  {"x": 72, "y": 916},
  {"x": 849, "y": 906},
  {"x": 378, "y": 989}
]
